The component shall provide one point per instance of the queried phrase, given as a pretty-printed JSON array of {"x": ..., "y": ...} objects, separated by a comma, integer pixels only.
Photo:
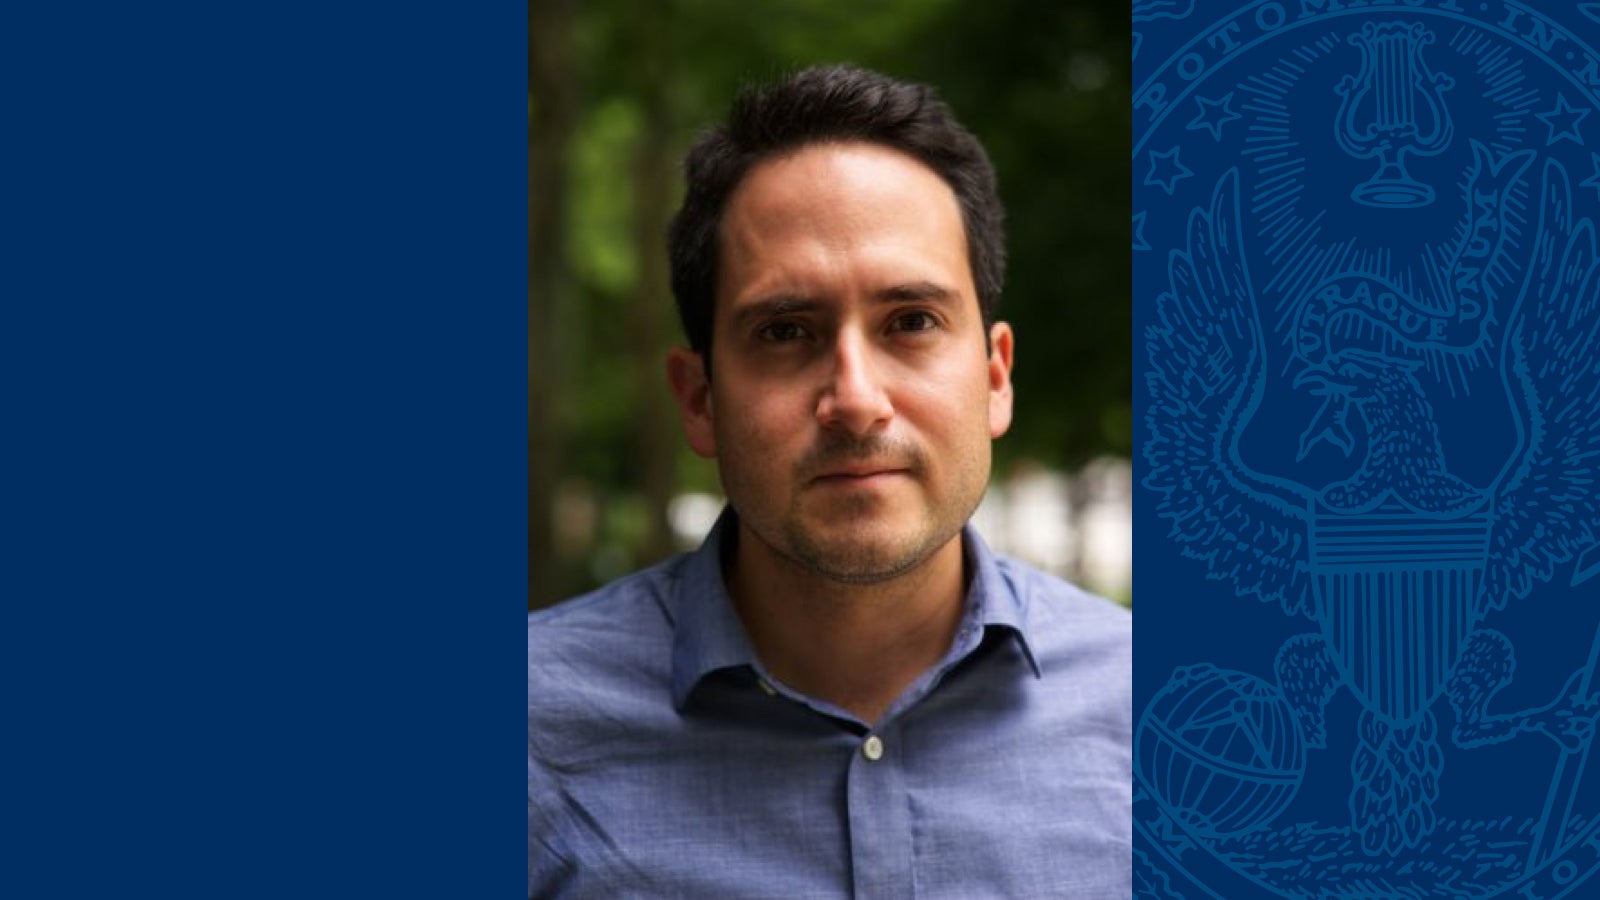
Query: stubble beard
[
  {"x": 873, "y": 552},
  {"x": 858, "y": 562}
]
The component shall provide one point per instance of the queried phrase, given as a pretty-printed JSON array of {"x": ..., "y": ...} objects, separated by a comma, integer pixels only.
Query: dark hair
[{"x": 817, "y": 105}]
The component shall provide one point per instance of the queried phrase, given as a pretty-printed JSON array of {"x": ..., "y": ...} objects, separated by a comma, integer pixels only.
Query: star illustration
[
  {"x": 1139, "y": 243},
  {"x": 1568, "y": 119},
  {"x": 1213, "y": 113},
  {"x": 1593, "y": 180},
  {"x": 1168, "y": 164}
]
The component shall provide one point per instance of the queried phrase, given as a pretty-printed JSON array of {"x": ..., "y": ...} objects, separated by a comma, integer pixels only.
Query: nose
[{"x": 855, "y": 398}]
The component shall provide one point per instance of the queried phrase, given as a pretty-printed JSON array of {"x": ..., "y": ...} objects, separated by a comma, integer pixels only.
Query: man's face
[{"x": 853, "y": 401}]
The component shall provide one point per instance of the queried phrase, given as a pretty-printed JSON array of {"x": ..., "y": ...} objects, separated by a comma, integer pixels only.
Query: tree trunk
[
  {"x": 552, "y": 111},
  {"x": 654, "y": 167}
]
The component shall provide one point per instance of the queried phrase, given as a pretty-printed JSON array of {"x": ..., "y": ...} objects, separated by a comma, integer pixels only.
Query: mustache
[{"x": 836, "y": 450}]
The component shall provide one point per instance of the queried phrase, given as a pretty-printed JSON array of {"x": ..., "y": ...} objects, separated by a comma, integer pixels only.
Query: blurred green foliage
[{"x": 617, "y": 91}]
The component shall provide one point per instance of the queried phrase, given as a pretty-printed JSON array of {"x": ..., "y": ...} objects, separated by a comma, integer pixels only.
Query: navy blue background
[{"x": 264, "y": 346}]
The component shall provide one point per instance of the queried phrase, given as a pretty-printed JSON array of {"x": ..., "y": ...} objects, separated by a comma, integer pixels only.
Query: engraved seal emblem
[{"x": 1367, "y": 285}]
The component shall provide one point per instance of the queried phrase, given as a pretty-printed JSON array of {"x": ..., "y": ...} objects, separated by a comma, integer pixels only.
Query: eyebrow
[
  {"x": 918, "y": 292},
  {"x": 787, "y": 303},
  {"x": 770, "y": 307}
]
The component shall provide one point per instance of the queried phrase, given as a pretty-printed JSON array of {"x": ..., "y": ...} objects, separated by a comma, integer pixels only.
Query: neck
[{"x": 856, "y": 646}]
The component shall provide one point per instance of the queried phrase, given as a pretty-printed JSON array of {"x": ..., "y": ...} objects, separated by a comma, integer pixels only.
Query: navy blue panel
[
  {"x": 1367, "y": 325},
  {"x": 264, "y": 277}
]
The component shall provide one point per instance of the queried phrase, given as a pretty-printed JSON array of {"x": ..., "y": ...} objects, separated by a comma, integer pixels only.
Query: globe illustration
[{"x": 1220, "y": 750}]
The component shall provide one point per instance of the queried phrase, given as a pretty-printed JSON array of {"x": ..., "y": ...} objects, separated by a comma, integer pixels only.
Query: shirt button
[{"x": 872, "y": 749}]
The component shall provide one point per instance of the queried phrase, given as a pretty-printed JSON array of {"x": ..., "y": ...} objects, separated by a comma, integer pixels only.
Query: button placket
[{"x": 879, "y": 818}]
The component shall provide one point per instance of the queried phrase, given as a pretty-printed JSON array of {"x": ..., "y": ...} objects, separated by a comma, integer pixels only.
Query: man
[{"x": 843, "y": 692}]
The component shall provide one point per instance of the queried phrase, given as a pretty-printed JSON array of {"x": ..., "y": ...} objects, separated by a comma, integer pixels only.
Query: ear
[
  {"x": 1000, "y": 356},
  {"x": 686, "y": 376}
]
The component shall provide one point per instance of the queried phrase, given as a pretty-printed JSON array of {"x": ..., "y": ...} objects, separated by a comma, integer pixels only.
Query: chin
[
  {"x": 858, "y": 568},
  {"x": 866, "y": 553}
]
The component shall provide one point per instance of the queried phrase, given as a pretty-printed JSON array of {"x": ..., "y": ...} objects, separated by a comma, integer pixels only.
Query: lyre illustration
[{"x": 1385, "y": 109}]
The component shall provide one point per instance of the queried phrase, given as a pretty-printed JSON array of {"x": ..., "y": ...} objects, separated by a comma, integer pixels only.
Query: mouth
[{"x": 859, "y": 476}]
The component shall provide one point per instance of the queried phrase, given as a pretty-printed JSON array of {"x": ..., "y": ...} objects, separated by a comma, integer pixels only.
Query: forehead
[{"x": 834, "y": 211}]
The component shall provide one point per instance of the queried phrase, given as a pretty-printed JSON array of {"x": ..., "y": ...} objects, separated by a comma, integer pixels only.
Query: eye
[
  {"x": 914, "y": 321},
  {"x": 781, "y": 332}
]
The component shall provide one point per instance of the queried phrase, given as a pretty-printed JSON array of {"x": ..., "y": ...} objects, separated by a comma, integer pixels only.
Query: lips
[{"x": 859, "y": 475}]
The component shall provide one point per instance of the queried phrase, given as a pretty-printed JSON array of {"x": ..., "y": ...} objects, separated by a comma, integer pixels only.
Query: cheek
[
  {"x": 760, "y": 422},
  {"x": 955, "y": 400},
  {"x": 952, "y": 423}
]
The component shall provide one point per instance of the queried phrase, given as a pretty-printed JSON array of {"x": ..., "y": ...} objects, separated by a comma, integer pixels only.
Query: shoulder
[
  {"x": 1059, "y": 603},
  {"x": 1083, "y": 645},
  {"x": 627, "y": 597},
  {"x": 615, "y": 628},
  {"x": 1070, "y": 629}
]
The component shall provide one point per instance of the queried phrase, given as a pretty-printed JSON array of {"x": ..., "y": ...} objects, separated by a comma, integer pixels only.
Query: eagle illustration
[{"x": 1399, "y": 562}]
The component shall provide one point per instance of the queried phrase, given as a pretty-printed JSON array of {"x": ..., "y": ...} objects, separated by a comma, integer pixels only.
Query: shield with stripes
[{"x": 1396, "y": 592}]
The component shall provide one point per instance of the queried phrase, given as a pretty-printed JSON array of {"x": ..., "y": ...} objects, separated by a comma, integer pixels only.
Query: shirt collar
[
  {"x": 709, "y": 637},
  {"x": 994, "y": 597},
  {"x": 707, "y": 633}
]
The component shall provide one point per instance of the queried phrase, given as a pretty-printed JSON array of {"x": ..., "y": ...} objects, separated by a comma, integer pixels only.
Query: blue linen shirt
[{"x": 665, "y": 761}]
